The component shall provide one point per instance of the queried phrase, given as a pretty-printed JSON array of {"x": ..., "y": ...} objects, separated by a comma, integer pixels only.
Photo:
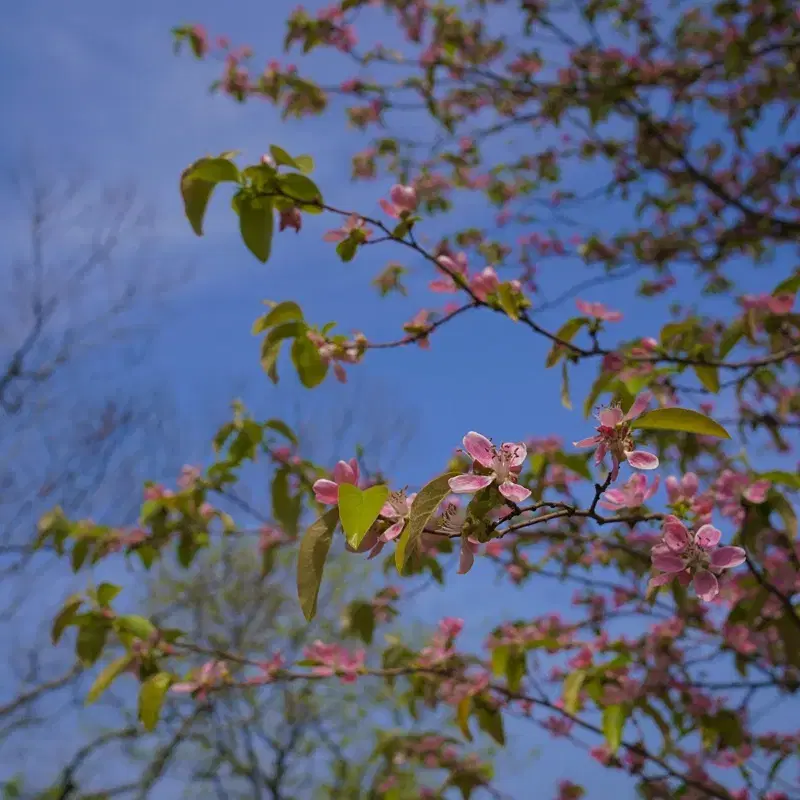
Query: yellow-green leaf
[
  {"x": 508, "y": 300},
  {"x": 141, "y": 627},
  {"x": 566, "y": 333},
  {"x": 679, "y": 419},
  {"x": 613, "y": 722},
  {"x": 423, "y": 508},
  {"x": 565, "y": 398},
  {"x": 299, "y": 187},
  {"x": 196, "y": 192},
  {"x": 572, "y": 690},
  {"x": 215, "y": 170},
  {"x": 462, "y": 717},
  {"x": 287, "y": 311},
  {"x": 305, "y": 164},
  {"x": 65, "y": 617},
  {"x": 311, "y": 560},
  {"x": 708, "y": 376},
  {"x": 359, "y": 509},
  {"x": 151, "y": 698},
  {"x": 282, "y": 157},
  {"x": 106, "y": 677}
]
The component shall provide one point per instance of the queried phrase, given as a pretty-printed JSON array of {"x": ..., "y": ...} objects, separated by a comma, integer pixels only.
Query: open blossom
[
  {"x": 353, "y": 223},
  {"x": 698, "y": 558},
  {"x": 598, "y": 311},
  {"x": 484, "y": 283},
  {"x": 326, "y": 491},
  {"x": 504, "y": 464},
  {"x": 403, "y": 201},
  {"x": 208, "y": 676},
  {"x": 633, "y": 494},
  {"x": 614, "y": 436},
  {"x": 397, "y": 507},
  {"x": 729, "y": 489}
]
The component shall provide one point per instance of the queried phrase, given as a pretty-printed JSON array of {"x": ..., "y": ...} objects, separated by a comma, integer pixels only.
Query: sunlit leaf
[
  {"x": 151, "y": 698},
  {"x": 679, "y": 419},
  {"x": 107, "y": 676},
  {"x": 358, "y": 510}
]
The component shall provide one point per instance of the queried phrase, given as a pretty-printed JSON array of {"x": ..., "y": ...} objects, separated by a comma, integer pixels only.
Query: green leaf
[
  {"x": 151, "y": 698},
  {"x": 282, "y": 157},
  {"x": 65, "y": 617},
  {"x": 679, "y": 419},
  {"x": 91, "y": 641},
  {"x": 256, "y": 223},
  {"x": 311, "y": 560},
  {"x": 790, "y": 479},
  {"x": 462, "y": 717},
  {"x": 566, "y": 333},
  {"x": 105, "y": 593},
  {"x": 215, "y": 170},
  {"x": 613, "y": 722},
  {"x": 785, "y": 512},
  {"x": 305, "y": 164},
  {"x": 565, "y": 399},
  {"x": 285, "y": 508},
  {"x": 708, "y": 376},
  {"x": 423, "y": 508},
  {"x": 789, "y": 286},
  {"x": 598, "y": 387},
  {"x": 299, "y": 187},
  {"x": 195, "y": 193},
  {"x": 508, "y": 300},
  {"x": 279, "y": 426},
  {"x": 731, "y": 338},
  {"x": 572, "y": 690},
  {"x": 359, "y": 509},
  {"x": 141, "y": 627},
  {"x": 106, "y": 677},
  {"x": 490, "y": 721},
  {"x": 310, "y": 366},
  {"x": 288, "y": 311}
]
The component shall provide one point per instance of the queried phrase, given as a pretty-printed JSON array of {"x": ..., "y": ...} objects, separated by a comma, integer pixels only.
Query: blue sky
[{"x": 97, "y": 84}]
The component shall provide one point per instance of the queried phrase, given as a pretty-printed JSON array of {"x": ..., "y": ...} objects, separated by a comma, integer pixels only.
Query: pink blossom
[
  {"x": 598, "y": 311},
  {"x": 403, "y": 201},
  {"x": 450, "y": 627},
  {"x": 633, "y": 494},
  {"x": 682, "y": 490},
  {"x": 466, "y": 559},
  {"x": 484, "y": 283},
  {"x": 455, "y": 265},
  {"x": 211, "y": 674},
  {"x": 397, "y": 508},
  {"x": 680, "y": 555},
  {"x": 614, "y": 436},
  {"x": 291, "y": 218},
  {"x": 268, "y": 671},
  {"x": 775, "y": 304},
  {"x": 332, "y": 659},
  {"x": 504, "y": 465},
  {"x": 188, "y": 477},
  {"x": 270, "y": 537},
  {"x": 327, "y": 491},
  {"x": 353, "y": 223}
]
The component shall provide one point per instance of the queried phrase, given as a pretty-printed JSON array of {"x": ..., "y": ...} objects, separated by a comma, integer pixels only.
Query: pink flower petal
[
  {"x": 466, "y": 558},
  {"x": 183, "y": 688},
  {"x": 469, "y": 483},
  {"x": 616, "y": 496},
  {"x": 641, "y": 459},
  {"x": 706, "y": 585},
  {"x": 388, "y": 511},
  {"x": 394, "y": 531},
  {"x": 668, "y": 562},
  {"x": 610, "y": 417},
  {"x": 707, "y": 536},
  {"x": 639, "y": 405},
  {"x": 727, "y": 557},
  {"x": 590, "y": 442},
  {"x": 676, "y": 536},
  {"x": 517, "y": 452},
  {"x": 326, "y": 491},
  {"x": 479, "y": 448},
  {"x": 757, "y": 493},
  {"x": 662, "y": 580},
  {"x": 344, "y": 473},
  {"x": 514, "y": 492}
]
